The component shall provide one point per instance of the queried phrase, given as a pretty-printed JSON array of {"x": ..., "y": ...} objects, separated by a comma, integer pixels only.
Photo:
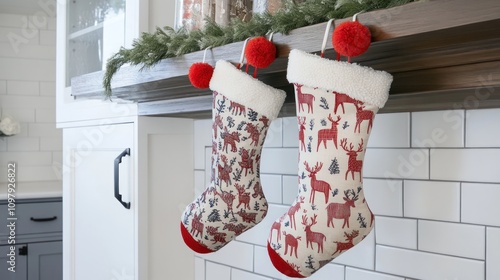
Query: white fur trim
[
  {"x": 240, "y": 87},
  {"x": 360, "y": 82}
]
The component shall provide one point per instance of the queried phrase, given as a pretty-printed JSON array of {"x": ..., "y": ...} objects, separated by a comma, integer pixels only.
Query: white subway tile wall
[
  {"x": 483, "y": 128},
  {"x": 436, "y": 129},
  {"x": 492, "y": 253},
  {"x": 432, "y": 180},
  {"x": 432, "y": 200},
  {"x": 396, "y": 232},
  {"x": 27, "y": 93}
]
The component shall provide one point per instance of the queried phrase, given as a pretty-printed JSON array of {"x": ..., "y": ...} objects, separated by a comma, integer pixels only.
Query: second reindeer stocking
[
  {"x": 233, "y": 202},
  {"x": 336, "y": 105}
]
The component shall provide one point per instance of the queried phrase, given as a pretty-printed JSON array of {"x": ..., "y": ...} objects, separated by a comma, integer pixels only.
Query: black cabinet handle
[
  {"x": 23, "y": 251},
  {"x": 118, "y": 160},
  {"x": 43, "y": 219}
]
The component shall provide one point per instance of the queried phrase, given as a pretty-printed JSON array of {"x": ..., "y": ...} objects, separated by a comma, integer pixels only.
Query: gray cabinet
[
  {"x": 45, "y": 261},
  {"x": 37, "y": 252},
  {"x": 19, "y": 272}
]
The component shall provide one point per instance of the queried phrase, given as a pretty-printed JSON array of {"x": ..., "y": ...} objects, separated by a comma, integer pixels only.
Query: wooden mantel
[{"x": 443, "y": 54}]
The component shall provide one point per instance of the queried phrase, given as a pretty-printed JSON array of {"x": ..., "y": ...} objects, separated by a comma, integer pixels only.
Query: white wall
[
  {"x": 431, "y": 178},
  {"x": 27, "y": 93}
]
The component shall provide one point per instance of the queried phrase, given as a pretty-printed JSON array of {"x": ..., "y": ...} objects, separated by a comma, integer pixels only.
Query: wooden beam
[{"x": 430, "y": 47}]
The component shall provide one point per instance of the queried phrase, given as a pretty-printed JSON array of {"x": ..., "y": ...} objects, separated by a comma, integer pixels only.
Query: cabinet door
[
  {"x": 100, "y": 230},
  {"x": 18, "y": 272},
  {"x": 45, "y": 261}
]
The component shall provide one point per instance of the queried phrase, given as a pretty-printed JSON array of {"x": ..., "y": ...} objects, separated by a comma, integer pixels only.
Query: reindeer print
[
  {"x": 197, "y": 225},
  {"x": 343, "y": 246},
  {"x": 302, "y": 128},
  {"x": 217, "y": 236},
  {"x": 341, "y": 210},
  {"x": 304, "y": 98},
  {"x": 354, "y": 165},
  {"x": 247, "y": 217},
  {"x": 254, "y": 132},
  {"x": 327, "y": 134},
  {"x": 257, "y": 191},
  {"x": 230, "y": 139},
  {"x": 341, "y": 98},
  {"x": 312, "y": 236},
  {"x": 292, "y": 242},
  {"x": 237, "y": 229},
  {"x": 236, "y": 108},
  {"x": 225, "y": 170},
  {"x": 277, "y": 226},
  {"x": 247, "y": 161},
  {"x": 228, "y": 198},
  {"x": 243, "y": 197},
  {"x": 317, "y": 185},
  {"x": 363, "y": 115},
  {"x": 293, "y": 210},
  {"x": 217, "y": 125}
]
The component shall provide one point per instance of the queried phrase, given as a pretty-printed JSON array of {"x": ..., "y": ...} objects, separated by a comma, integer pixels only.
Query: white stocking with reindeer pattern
[
  {"x": 233, "y": 202},
  {"x": 336, "y": 103}
]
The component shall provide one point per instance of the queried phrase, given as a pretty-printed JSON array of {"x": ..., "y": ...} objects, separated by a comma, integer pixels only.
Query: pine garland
[{"x": 151, "y": 48}]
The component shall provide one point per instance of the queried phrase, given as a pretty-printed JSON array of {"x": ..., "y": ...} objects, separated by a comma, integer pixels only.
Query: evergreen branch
[{"x": 151, "y": 48}]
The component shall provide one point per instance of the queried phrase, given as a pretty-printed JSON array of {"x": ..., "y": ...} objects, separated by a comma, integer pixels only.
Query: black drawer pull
[
  {"x": 43, "y": 219},
  {"x": 118, "y": 160}
]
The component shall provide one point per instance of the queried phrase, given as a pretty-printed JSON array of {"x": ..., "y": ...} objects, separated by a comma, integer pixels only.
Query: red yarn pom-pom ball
[
  {"x": 260, "y": 52},
  {"x": 351, "y": 38},
  {"x": 200, "y": 74}
]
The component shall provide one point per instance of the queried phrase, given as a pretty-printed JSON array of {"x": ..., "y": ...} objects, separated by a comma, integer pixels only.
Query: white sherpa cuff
[
  {"x": 242, "y": 88},
  {"x": 360, "y": 82}
]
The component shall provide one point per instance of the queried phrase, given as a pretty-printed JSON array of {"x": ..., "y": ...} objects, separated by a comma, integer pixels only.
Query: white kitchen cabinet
[
  {"x": 88, "y": 34},
  {"x": 104, "y": 238},
  {"x": 137, "y": 237}
]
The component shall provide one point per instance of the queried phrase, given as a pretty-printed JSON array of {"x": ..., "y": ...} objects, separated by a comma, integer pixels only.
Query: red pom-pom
[
  {"x": 260, "y": 52},
  {"x": 200, "y": 74},
  {"x": 351, "y": 38}
]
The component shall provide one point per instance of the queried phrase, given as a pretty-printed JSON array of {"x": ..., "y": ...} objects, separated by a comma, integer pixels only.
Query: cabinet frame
[{"x": 150, "y": 151}]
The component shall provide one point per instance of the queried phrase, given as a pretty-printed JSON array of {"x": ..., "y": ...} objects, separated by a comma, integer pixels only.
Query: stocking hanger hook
[
  {"x": 355, "y": 16},
  {"x": 242, "y": 57},
  {"x": 325, "y": 37},
  {"x": 205, "y": 53},
  {"x": 271, "y": 34}
]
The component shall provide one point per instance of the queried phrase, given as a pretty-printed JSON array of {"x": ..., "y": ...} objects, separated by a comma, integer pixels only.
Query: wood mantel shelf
[{"x": 443, "y": 54}]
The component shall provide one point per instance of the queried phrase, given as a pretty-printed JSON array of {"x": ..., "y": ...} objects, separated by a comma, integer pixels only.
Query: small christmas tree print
[
  {"x": 309, "y": 262},
  {"x": 309, "y": 144},
  {"x": 334, "y": 167},
  {"x": 361, "y": 220},
  {"x": 335, "y": 192},
  {"x": 324, "y": 104},
  {"x": 214, "y": 216},
  {"x": 237, "y": 174},
  {"x": 221, "y": 105},
  {"x": 256, "y": 207},
  {"x": 252, "y": 115},
  {"x": 230, "y": 122},
  {"x": 240, "y": 125}
]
